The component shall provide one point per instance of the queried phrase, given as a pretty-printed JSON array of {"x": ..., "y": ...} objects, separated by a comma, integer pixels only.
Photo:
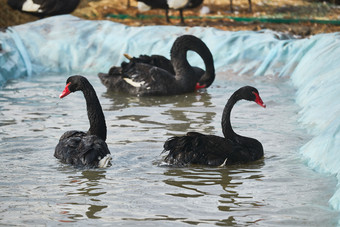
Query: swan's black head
[
  {"x": 73, "y": 83},
  {"x": 251, "y": 94}
]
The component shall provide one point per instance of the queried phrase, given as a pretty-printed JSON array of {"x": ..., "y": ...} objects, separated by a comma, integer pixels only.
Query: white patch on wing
[
  {"x": 104, "y": 161},
  {"x": 224, "y": 163},
  {"x": 177, "y": 4},
  {"x": 30, "y": 6},
  {"x": 134, "y": 84},
  {"x": 143, "y": 7}
]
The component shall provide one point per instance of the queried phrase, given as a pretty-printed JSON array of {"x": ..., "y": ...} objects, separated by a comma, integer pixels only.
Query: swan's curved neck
[
  {"x": 182, "y": 68},
  {"x": 209, "y": 76},
  {"x": 227, "y": 130},
  {"x": 94, "y": 112},
  {"x": 249, "y": 145}
]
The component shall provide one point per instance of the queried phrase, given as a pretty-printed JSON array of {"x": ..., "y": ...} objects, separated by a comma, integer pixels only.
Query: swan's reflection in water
[
  {"x": 167, "y": 115},
  {"x": 123, "y": 101},
  {"x": 88, "y": 185},
  {"x": 220, "y": 186}
]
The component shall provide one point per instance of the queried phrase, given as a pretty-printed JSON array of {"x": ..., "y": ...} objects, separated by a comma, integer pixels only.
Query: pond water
[{"x": 36, "y": 189}]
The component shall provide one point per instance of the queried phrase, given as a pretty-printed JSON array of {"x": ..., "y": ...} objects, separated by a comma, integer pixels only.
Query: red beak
[
  {"x": 66, "y": 91},
  {"x": 258, "y": 100}
]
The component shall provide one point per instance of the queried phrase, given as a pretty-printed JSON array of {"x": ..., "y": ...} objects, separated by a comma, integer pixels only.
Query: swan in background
[
  {"x": 140, "y": 78},
  {"x": 145, "y": 5},
  {"x": 164, "y": 63},
  {"x": 44, "y": 8}
]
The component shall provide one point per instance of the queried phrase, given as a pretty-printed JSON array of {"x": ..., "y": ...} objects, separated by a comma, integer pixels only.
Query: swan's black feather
[
  {"x": 45, "y": 7},
  {"x": 79, "y": 149},
  {"x": 155, "y": 75},
  {"x": 85, "y": 149},
  {"x": 163, "y": 4},
  {"x": 197, "y": 148},
  {"x": 154, "y": 60}
]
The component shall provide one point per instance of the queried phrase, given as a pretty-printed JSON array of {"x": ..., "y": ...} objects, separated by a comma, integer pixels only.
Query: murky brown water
[{"x": 36, "y": 189}]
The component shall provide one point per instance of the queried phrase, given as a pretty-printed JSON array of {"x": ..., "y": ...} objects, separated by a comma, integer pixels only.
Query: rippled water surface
[{"x": 36, "y": 189}]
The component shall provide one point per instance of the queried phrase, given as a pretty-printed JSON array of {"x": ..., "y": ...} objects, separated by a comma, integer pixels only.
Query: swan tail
[
  {"x": 104, "y": 161},
  {"x": 224, "y": 163},
  {"x": 129, "y": 57}
]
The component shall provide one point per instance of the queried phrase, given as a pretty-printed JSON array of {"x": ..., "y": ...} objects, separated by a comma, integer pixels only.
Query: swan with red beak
[{"x": 85, "y": 149}]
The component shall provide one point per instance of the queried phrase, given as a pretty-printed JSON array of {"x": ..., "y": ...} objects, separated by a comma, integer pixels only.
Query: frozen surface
[{"x": 66, "y": 44}]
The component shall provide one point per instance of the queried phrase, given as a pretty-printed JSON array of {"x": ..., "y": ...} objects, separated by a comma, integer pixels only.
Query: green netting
[{"x": 238, "y": 19}]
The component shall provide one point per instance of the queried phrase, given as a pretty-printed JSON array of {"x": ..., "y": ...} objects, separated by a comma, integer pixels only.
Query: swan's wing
[
  {"x": 138, "y": 78},
  {"x": 92, "y": 150},
  {"x": 79, "y": 149},
  {"x": 67, "y": 148},
  {"x": 148, "y": 79},
  {"x": 155, "y": 60},
  {"x": 197, "y": 148},
  {"x": 145, "y": 75},
  {"x": 113, "y": 79},
  {"x": 72, "y": 133},
  {"x": 246, "y": 150},
  {"x": 163, "y": 63}
]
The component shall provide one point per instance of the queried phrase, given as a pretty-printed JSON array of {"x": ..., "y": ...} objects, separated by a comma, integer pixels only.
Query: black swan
[
  {"x": 43, "y": 8},
  {"x": 138, "y": 78},
  {"x": 164, "y": 63},
  {"x": 232, "y": 8},
  {"x": 181, "y": 5},
  {"x": 85, "y": 149},
  {"x": 145, "y": 5},
  {"x": 196, "y": 148}
]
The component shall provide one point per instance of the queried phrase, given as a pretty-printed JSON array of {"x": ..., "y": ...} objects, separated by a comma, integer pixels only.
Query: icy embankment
[{"x": 66, "y": 44}]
